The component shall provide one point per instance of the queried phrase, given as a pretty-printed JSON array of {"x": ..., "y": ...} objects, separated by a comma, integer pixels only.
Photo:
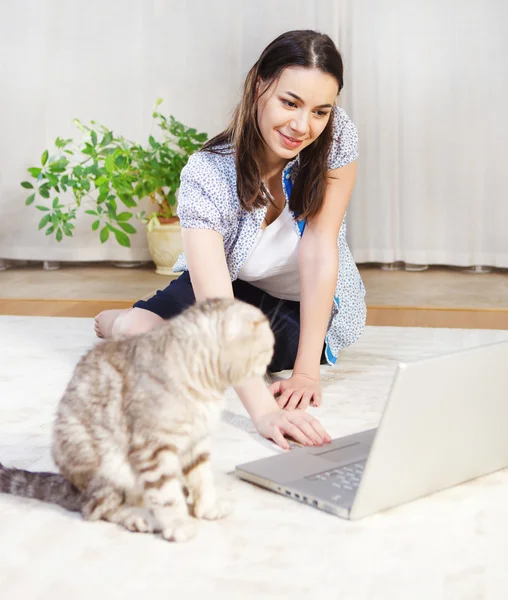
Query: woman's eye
[
  {"x": 289, "y": 103},
  {"x": 321, "y": 113}
]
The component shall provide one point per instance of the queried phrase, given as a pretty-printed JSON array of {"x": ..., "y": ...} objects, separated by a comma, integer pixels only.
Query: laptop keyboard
[{"x": 343, "y": 478}]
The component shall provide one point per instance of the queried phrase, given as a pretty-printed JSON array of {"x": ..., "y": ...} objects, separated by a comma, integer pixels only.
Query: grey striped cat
[{"x": 131, "y": 437}]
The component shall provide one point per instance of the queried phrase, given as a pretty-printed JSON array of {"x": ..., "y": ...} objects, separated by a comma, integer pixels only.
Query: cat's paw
[
  {"x": 212, "y": 512},
  {"x": 179, "y": 530},
  {"x": 139, "y": 524}
]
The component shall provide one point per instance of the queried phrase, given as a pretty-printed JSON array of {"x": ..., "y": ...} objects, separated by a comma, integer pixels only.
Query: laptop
[{"x": 445, "y": 422}]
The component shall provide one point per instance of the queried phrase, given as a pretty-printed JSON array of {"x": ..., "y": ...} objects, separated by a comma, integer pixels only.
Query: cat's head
[{"x": 244, "y": 337}]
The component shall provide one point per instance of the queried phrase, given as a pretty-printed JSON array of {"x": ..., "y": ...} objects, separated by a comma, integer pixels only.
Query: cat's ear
[
  {"x": 235, "y": 326},
  {"x": 238, "y": 326}
]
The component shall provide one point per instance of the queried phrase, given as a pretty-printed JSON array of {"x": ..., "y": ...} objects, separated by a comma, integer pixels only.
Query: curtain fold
[
  {"x": 425, "y": 82},
  {"x": 427, "y": 90}
]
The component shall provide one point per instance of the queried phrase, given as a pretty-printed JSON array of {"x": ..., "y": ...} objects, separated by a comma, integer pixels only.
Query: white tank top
[{"x": 272, "y": 264}]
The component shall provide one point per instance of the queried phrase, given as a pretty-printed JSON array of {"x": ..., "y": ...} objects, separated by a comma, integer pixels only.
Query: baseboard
[
  {"x": 451, "y": 317},
  {"x": 58, "y": 308},
  {"x": 396, "y": 316}
]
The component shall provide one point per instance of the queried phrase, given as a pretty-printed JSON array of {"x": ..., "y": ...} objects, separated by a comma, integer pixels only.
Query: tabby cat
[{"x": 131, "y": 437}]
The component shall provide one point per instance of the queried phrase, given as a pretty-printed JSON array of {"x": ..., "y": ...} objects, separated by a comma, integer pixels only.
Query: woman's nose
[{"x": 300, "y": 124}]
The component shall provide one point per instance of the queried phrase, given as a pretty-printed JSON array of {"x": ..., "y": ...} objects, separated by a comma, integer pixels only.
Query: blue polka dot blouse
[{"x": 208, "y": 199}]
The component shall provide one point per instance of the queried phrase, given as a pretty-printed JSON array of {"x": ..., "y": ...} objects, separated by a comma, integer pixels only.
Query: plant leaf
[
  {"x": 104, "y": 234},
  {"x": 127, "y": 227},
  {"x": 93, "y": 135},
  {"x": 34, "y": 171},
  {"x": 95, "y": 225},
  {"x": 29, "y": 200},
  {"x": 128, "y": 201},
  {"x": 59, "y": 235},
  {"x": 50, "y": 230},
  {"x": 124, "y": 216},
  {"x": 91, "y": 212},
  {"x": 55, "y": 202},
  {"x": 27, "y": 185},
  {"x": 122, "y": 238},
  {"x": 44, "y": 221},
  {"x": 44, "y": 157},
  {"x": 110, "y": 163},
  {"x": 121, "y": 162},
  {"x": 107, "y": 139},
  {"x": 58, "y": 166},
  {"x": 40, "y": 207}
]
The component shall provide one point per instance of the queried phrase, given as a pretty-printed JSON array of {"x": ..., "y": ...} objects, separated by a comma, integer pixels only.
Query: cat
[{"x": 131, "y": 437}]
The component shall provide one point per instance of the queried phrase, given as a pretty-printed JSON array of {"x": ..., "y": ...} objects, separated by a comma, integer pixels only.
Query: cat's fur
[{"x": 131, "y": 437}]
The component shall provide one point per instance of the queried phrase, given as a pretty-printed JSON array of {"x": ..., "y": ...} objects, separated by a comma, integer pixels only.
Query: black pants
[{"x": 284, "y": 315}]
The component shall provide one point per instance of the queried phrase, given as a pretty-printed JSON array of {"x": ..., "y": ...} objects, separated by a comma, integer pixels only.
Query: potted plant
[{"x": 107, "y": 176}]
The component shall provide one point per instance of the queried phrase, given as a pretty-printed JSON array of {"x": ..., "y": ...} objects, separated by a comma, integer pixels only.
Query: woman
[{"x": 261, "y": 208}]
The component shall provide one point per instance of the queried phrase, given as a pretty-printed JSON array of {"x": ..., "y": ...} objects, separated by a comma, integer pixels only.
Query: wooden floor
[{"x": 439, "y": 297}]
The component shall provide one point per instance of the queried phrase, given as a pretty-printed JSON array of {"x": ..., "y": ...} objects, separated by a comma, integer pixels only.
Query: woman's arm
[
  {"x": 318, "y": 266},
  {"x": 204, "y": 253},
  {"x": 318, "y": 263}
]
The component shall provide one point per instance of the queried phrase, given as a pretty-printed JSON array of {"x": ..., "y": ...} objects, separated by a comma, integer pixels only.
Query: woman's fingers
[
  {"x": 297, "y": 434},
  {"x": 283, "y": 399},
  {"x": 294, "y": 400},
  {"x": 279, "y": 439},
  {"x": 316, "y": 400},
  {"x": 318, "y": 428},
  {"x": 310, "y": 432},
  {"x": 275, "y": 387},
  {"x": 305, "y": 401}
]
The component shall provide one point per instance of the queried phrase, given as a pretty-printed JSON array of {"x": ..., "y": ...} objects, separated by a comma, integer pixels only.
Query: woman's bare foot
[
  {"x": 114, "y": 324},
  {"x": 104, "y": 321}
]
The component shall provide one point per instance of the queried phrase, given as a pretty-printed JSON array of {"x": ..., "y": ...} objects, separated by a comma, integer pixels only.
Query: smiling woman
[
  {"x": 262, "y": 209},
  {"x": 294, "y": 119},
  {"x": 288, "y": 122}
]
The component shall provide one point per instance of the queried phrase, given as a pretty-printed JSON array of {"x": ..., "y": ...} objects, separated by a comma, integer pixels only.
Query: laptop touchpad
[{"x": 337, "y": 454}]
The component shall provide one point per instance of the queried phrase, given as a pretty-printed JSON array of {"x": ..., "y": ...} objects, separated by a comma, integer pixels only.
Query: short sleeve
[
  {"x": 204, "y": 195},
  {"x": 344, "y": 148}
]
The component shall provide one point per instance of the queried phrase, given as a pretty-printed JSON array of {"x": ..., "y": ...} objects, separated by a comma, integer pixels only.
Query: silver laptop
[{"x": 445, "y": 422}]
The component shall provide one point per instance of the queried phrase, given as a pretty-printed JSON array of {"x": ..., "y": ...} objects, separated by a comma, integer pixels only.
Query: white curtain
[
  {"x": 428, "y": 90},
  {"x": 426, "y": 84},
  {"x": 109, "y": 60}
]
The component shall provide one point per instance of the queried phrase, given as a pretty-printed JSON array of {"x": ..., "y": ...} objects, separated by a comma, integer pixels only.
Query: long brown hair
[{"x": 300, "y": 48}]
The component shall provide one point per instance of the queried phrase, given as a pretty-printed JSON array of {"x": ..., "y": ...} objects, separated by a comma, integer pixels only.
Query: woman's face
[{"x": 294, "y": 110}]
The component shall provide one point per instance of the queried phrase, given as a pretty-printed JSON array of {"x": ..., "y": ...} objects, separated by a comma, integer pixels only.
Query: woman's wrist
[
  {"x": 308, "y": 357},
  {"x": 307, "y": 368},
  {"x": 256, "y": 398},
  {"x": 307, "y": 374}
]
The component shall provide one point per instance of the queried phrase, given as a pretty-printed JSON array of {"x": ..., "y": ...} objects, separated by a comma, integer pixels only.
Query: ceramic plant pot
[{"x": 165, "y": 244}]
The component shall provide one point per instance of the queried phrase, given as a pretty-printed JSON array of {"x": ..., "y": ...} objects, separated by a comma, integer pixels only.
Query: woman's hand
[
  {"x": 296, "y": 392},
  {"x": 273, "y": 423},
  {"x": 301, "y": 426}
]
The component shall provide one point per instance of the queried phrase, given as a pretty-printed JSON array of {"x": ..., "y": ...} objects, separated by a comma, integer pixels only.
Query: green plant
[{"x": 104, "y": 171}]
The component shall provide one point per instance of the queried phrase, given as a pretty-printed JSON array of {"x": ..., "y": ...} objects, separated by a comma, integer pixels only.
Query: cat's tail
[{"x": 48, "y": 487}]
